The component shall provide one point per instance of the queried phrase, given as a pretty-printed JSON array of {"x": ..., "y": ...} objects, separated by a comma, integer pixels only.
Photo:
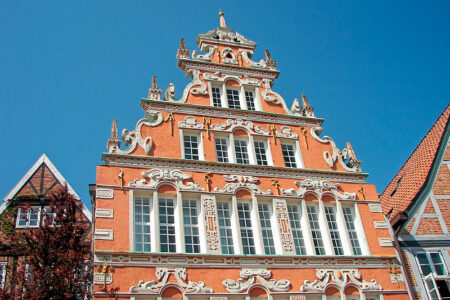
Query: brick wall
[{"x": 429, "y": 226}]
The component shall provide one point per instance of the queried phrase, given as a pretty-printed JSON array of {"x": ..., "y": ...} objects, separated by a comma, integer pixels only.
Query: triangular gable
[{"x": 40, "y": 179}]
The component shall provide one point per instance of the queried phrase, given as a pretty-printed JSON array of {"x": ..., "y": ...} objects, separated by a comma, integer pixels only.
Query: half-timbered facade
[
  {"x": 224, "y": 192},
  {"x": 25, "y": 208},
  {"x": 417, "y": 202}
]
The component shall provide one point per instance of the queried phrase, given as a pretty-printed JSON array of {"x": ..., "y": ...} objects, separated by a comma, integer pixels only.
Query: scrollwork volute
[
  {"x": 157, "y": 176},
  {"x": 248, "y": 278}
]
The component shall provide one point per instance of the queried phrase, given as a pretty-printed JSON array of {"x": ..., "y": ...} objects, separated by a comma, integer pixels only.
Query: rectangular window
[
  {"x": 191, "y": 235},
  {"x": 226, "y": 236},
  {"x": 28, "y": 217},
  {"x": 216, "y": 97},
  {"x": 48, "y": 216},
  {"x": 250, "y": 100},
  {"x": 294, "y": 218},
  {"x": 221, "y": 150},
  {"x": 434, "y": 274},
  {"x": 240, "y": 148},
  {"x": 2, "y": 274},
  {"x": 245, "y": 223},
  {"x": 142, "y": 224},
  {"x": 349, "y": 216},
  {"x": 266, "y": 228},
  {"x": 260, "y": 151},
  {"x": 167, "y": 225},
  {"x": 289, "y": 155},
  {"x": 313, "y": 217},
  {"x": 330, "y": 213},
  {"x": 233, "y": 99},
  {"x": 191, "y": 147}
]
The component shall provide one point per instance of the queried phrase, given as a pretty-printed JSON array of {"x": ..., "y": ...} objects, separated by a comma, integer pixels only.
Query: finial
[
  {"x": 182, "y": 44},
  {"x": 154, "y": 92},
  {"x": 182, "y": 51},
  {"x": 222, "y": 19},
  {"x": 114, "y": 135},
  {"x": 350, "y": 152},
  {"x": 154, "y": 84},
  {"x": 305, "y": 101},
  {"x": 267, "y": 53}
]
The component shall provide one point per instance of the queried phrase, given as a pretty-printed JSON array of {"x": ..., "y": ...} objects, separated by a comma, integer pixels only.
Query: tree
[{"x": 55, "y": 260}]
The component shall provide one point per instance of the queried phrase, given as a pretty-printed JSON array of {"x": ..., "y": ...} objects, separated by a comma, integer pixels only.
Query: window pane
[
  {"x": 349, "y": 217},
  {"x": 233, "y": 99},
  {"x": 438, "y": 263},
  {"x": 249, "y": 99},
  {"x": 424, "y": 264},
  {"x": 221, "y": 150},
  {"x": 315, "y": 230},
  {"x": 260, "y": 151},
  {"x": 216, "y": 97},
  {"x": 142, "y": 224},
  {"x": 190, "y": 147},
  {"x": 190, "y": 216},
  {"x": 289, "y": 155},
  {"x": 330, "y": 213},
  {"x": 34, "y": 216},
  {"x": 167, "y": 225},
  {"x": 294, "y": 218},
  {"x": 22, "y": 216},
  {"x": 248, "y": 244},
  {"x": 240, "y": 148},
  {"x": 226, "y": 238},
  {"x": 266, "y": 228}
]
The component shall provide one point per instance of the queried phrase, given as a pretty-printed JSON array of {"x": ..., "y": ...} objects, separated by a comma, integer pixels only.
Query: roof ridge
[{"x": 446, "y": 110}]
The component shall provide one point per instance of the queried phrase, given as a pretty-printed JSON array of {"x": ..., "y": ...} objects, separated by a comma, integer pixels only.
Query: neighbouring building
[
  {"x": 226, "y": 193},
  {"x": 25, "y": 207},
  {"x": 417, "y": 203}
]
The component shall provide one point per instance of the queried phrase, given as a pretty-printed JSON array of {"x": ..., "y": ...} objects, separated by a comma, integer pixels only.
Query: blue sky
[{"x": 378, "y": 72}]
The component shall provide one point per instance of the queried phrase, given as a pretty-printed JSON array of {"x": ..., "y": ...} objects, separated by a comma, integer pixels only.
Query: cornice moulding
[
  {"x": 210, "y": 111},
  {"x": 139, "y": 161}
]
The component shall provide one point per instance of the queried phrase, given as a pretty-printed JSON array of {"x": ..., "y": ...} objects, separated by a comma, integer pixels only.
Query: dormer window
[{"x": 233, "y": 99}]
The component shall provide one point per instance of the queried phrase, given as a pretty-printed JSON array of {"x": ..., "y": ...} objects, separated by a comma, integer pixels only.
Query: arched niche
[{"x": 167, "y": 188}]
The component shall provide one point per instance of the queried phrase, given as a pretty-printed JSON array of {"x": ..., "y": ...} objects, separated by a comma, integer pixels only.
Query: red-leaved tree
[{"x": 54, "y": 259}]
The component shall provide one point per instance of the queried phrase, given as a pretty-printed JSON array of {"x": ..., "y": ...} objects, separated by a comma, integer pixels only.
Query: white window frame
[
  {"x": 248, "y": 147},
  {"x": 266, "y": 149},
  {"x": 268, "y": 228},
  {"x": 255, "y": 234},
  {"x": 297, "y": 155},
  {"x": 229, "y": 206},
  {"x": 432, "y": 276},
  {"x": 27, "y": 217},
  {"x": 334, "y": 231},
  {"x": 239, "y": 94},
  {"x": 149, "y": 223},
  {"x": 300, "y": 214},
  {"x": 183, "y": 133},
  {"x": 192, "y": 226},
  {"x": 320, "y": 222},
  {"x": 228, "y": 148},
  {"x": 3, "y": 265},
  {"x": 220, "y": 95}
]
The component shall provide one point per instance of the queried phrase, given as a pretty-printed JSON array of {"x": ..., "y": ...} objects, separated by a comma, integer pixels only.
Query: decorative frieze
[
  {"x": 340, "y": 278},
  {"x": 231, "y": 124},
  {"x": 287, "y": 240},
  {"x": 190, "y": 123},
  {"x": 211, "y": 224},
  {"x": 157, "y": 176},
  {"x": 104, "y": 213},
  {"x": 236, "y": 182},
  {"x": 102, "y": 193},
  {"x": 319, "y": 187},
  {"x": 103, "y": 278},
  {"x": 248, "y": 278},
  {"x": 162, "y": 275}
]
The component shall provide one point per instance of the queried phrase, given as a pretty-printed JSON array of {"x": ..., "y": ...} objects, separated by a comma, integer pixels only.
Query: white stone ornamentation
[
  {"x": 247, "y": 54},
  {"x": 211, "y": 224},
  {"x": 134, "y": 138},
  {"x": 272, "y": 97},
  {"x": 287, "y": 240},
  {"x": 229, "y": 56},
  {"x": 233, "y": 124},
  {"x": 163, "y": 274},
  {"x": 190, "y": 123},
  {"x": 248, "y": 278},
  {"x": 341, "y": 278},
  {"x": 219, "y": 77},
  {"x": 287, "y": 133},
  {"x": 319, "y": 187},
  {"x": 225, "y": 36},
  {"x": 340, "y": 155},
  {"x": 157, "y": 176},
  {"x": 236, "y": 182},
  {"x": 207, "y": 56}
]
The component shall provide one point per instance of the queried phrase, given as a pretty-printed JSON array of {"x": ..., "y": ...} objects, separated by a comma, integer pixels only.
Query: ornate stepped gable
[{"x": 223, "y": 191}]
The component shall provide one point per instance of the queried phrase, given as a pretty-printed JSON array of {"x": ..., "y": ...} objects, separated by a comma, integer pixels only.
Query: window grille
[
  {"x": 266, "y": 228},
  {"x": 294, "y": 212},
  {"x": 250, "y": 100},
  {"x": 226, "y": 236},
  {"x": 233, "y": 99},
  {"x": 260, "y": 151},
  {"x": 191, "y": 147},
  {"x": 289, "y": 155},
  {"x": 221, "y": 150},
  {"x": 315, "y": 230},
  {"x": 240, "y": 147},
  {"x": 245, "y": 223},
  {"x": 142, "y": 224},
  {"x": 349, "y": 217},
  {"x": 191, "y": 235},
  {"x": 216, "y": 97},
  {"x": 330, "y": 213},
  {"x": 167, "y": 225}
]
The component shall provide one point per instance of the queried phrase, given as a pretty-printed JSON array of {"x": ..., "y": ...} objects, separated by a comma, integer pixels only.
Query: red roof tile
[{"x": 407, "y": 183}]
